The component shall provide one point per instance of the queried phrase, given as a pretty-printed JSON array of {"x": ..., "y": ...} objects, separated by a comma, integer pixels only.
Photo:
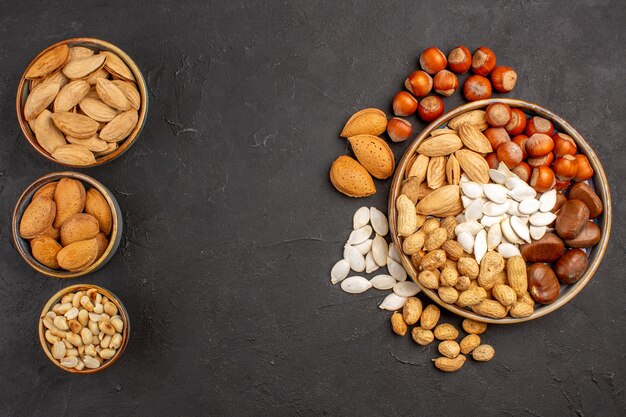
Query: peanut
[
  {"x": 474, "y": 327},
  {"x": 504, "y": 294},
  {"x": 446, "y": 331},
  {"x": 468, "y": 267},
  {"x": 491, "y": 264},
  {"x": 412, "y": 310},
  {"x": 449, "y": 365},
  {"x": 422, "y": 336},
  {"x": 469, "y": 343},
  {"x": 453, "y": 249},
  {"x": 450, "y": 223},
  {"x": 413, "y": 243},
  {"x": 471, "y": 297},
  {"x": 407, "y": 216},
  {"x": 490, "y": 308},
  {"x": 397, "y": 324},
  {"x": 516, "y": 273},
  {"x": 449, "y": 349},
  {"x": 428, "y": 279},
  {"x": 449, "y": 277},
  {"x": 433, "y": 260},
  {"x": 463, "y": 284},
  {"x": 430, "y": 317},
  {"x": 435, "y": 239},
  {"x": 521, "y": 309},
  {"x": 483, "y": 353},
  {"x": 448, "y": 294},
  {"x": 430, "y": 225}
]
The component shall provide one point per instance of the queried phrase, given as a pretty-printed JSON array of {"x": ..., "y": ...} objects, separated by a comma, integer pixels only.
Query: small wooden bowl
[
  {"x": 600, "y": 183},
  {"x": 23, "y": 245},
  {"x": 121, "y": 311},
  {"x": 23, "y": 90}
]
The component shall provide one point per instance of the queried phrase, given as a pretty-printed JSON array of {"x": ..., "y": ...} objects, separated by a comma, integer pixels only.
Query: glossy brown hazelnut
[
  {"x": 583, "y": 192},
  {"x": 419, "y": 83},
  {"x": 498, "y": 114},
  {"x": 445, "y": 83},
  {"x": 571, "y": 219},
  {"x": 539, "y": 125},
  {"x": 542, "y": 283},
  {"x": 476, "y": 87},
  {"x": 430, "y": 108},
  {"x": 564, "y": 144},
  {"x": 492, "y": 160},
  {"x": 585, "y": 171},
  {"x": 496, "y": 137},
  {"x": 510, "y": 154},
  {"x": 571, "y": 266},
  {"x": 547, "y": 249},
  {"x": 565, "y": 167},
  {"x": 432, "y": 60},
  {"x": 587, "y": 238},
  {"x": 399, "y": 129},
  {"x": 483, "y": 61},
  {"x": 520, "y": 140},
  {"x": 517, "y": 124},
  {"x": 542, "y": 179},
  {"x": 523, "y": 171},
  {"x": 539, "y": 145},
  {"x": 538, "y": 161},
  {"x": 503, "y": 79},
  {"x": 460, "y": 60},
  {"x": 404, "y": 104}
]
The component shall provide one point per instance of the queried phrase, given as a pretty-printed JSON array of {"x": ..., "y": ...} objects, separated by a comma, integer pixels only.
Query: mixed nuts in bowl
[
  {"x": 66, "y": 225},
  {"x": 82, "y": 102},
  {"x": 501, "y": 211},
  {"x": 84, "y": 329}
]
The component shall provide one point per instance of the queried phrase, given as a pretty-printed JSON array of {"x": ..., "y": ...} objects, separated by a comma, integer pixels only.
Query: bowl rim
[
  {"x": 20, "y": 100},
  {"x": 121, "y": 311},
  {"x": 26, "y": 197},
  {"x": 599, "y": 180}
]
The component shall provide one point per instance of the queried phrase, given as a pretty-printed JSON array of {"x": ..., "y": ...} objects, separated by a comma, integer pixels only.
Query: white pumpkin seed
[
  {"x": 522, "y": 193},
  {"x": 503, "y": 169},
  {"x": 339, "y": 271},
  {"x": 520, "y": 229},
  {"x": 529, "y": 206},
  {"x": 354, "y": 257},
  {"x": 494, "y": 236},
  {"x": 396, "y": 270},
  {"x": 361, "y": 218},
  {"x": 495, "y": 192},
  {"x": 508, "y": 250},
  {"x": 548, "y": 201},
  {"x": 355, "y": 285},
  {"x": 537, "y": 232},
  {"x": 466, "y": 240},
  {"x": 392, "y": 302},
  {"x": 474, "y": 211},
  {"x": 370, "y": 263},
  {"x": 464, "y": 178},
  {"x": 406, "y": 289},
  {"x": 379, "y": 221},
  {"x": 542, "y": 219},
  {"x": 466, "y": 201},
  {"x": 360, "y": 235},
  {"x": 514, "y": 208},
  {"x": 480, "y": 245},
  {"x": 489, "y": 221},
  {"x": 380, "y": 250},
  {"x": 471, "y": 189},
  {"x": 364, "y": 247},
  {"x": 497, "y": 176},
  {"x": 514, "y": 182},
  {"x": 383, "y": 282},
  {"x": 472, "y": 227},
  {"x": 508, "y": 233},
  {"x": 493, "y": 209},
  {"x": 393, "y": 252}
]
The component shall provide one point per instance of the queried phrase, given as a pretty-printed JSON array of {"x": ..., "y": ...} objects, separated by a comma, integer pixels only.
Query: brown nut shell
[
  {"x": 97, "y": 206},
  {"x": 79, "y": 227},
  {"x": 589, "y": 236},
  {"x": 78, "y": 255},
  {"x": 69, "y": 197},
  {"x": 571, "y": 219},
  {"x": 547, "y": 249},
  {"x": 583, "y": 192},
  {"x": 542, "y": 283},
  {"x": 570, "y": 267},
  {"x": 45, "y": 250},
  {"x": 37, "y": 217}
]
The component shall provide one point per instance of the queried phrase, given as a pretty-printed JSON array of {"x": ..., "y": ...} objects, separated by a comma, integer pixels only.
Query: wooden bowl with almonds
[{"x": 82, "y": 102}]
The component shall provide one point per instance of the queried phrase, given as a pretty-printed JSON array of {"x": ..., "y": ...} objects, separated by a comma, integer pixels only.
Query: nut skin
[
  {"x": 483, "y": 353},
  {"x": 498, "y": 114},
  {"x": 523, "y": 170},
  {"x": 571, "y": 219},
  {"x": 399, "y": 129},
  {"x": 585, "y": 171},
  {"x": 542, "y": 283},
  {"x": 469, "y": 343},
  {"x": 571, "y": 266},
  {"x": 483, "y": 61},
  {"x": 583, "y": 192},
  {"x": 589, "y": 236},
  {"x": 565, "y": 167},
  {"x": 460, "y": 60},
  {"x": 474, "y": 327},
  {"x": 510, "y": 153},
  {"x": 430, "y": 108},
  {"x": 503, "y": 79},
  {"x": 422, "y": 336},
  {"x": 539, "y": 144},
  {"x": 541, "y": 160},
  {"x": 492, "y": 160},
  {"x": 560, "y": 200},
  {"x": 419, "y": 83},
  {"x": 496, "y": 137},
  {"x": 445, "y": 83},
  {"x": 517, "y": 124},
  {"x": 539, "y": 125},
  {"x": 542, "y": 179},
  {"x": 397, "y": 324},
  {"x": 404, "y": 104},
  {"x": 547, "y": 249},
  {"x": 432, "y": 60},
  {"x": 520, "y": 140},
  {"x": 476, "y": 87},
  {"x": 564, "y": 144}
]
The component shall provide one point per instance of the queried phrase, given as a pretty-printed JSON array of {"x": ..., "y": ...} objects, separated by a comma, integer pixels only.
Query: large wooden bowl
[{"x": 599, "y": 182}]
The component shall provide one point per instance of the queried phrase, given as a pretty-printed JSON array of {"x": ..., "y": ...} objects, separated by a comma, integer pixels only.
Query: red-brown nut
[
  {"x": 539, "y": 125},
  {"x": 492, "y": 160},
  {"x": 547, "y": 249},
  {"x": 560, "y": 200},
  {"x": 564, "y": 144},
  {"x": 498, "y": 114},
  {"x": 539, "y": 144},
  {"x": 542, "y": 179},
  {"x": 542, "y": 283},
  {"x": 570, "y": 267},
  {"x": 503, "y": 79},
  {"x": 583, "y": 192},
  {"x": 399, "y": 129},
  {"x": 521, "y": 142},
  {"x": 419, "y": 83},
  {"x": 445, "y": 83},
  {"x": 571, "y": 219},
  {"x": 483, "y": 61},
  {"x": 585, "y": 171},
  {"x": 404, "y": 104},
  {"x": 565, "y": 167},
  {"x": 561, "y": 185},
  {"x": 523, "y": 171},
  {"x": 545, "y": 160},
  {"x": 432, "y": 60},
  {"x": 587, "y": 238},
  {"x": 517, "y": 124},
  {"x": 476, "y": 87},
  {"x": 460, "y": 60},
  {"x": 430, "y": 108},
  {"x": 496, "y": 136},
  {"x": 510, "y": 153}
]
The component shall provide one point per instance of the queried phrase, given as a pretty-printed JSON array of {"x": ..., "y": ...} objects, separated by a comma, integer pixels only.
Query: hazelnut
[
  {"x": 404, "y": 104},
  {"x": 542, "y": 179},
  {"x": 399, "y": 129},
  {"x": 432, "y": 60},
  {"x": 419, "y": 83},
  {"x": 517, "y": 124},
  {"x": 460, "y": 60},
  {"x": 483, "y": 61},
  {"x": 503, "y": 79},
  {"x": 445, "y": 83},
  {"x": 476, "y": 87},
  {"x": 430, "y": 108},
  {"x": 498, "y": 114}
]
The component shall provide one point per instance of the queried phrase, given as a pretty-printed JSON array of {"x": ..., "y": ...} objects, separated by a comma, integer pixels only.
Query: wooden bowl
[
  {"x": 23, "y": 90},
  {"x": 23, "y": 246},
  {"x": 599, "y": 182},
  {"x": 83, "y": 287}
]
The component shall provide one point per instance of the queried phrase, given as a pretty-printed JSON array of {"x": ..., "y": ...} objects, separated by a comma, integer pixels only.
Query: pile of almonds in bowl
[
  {"x": 78, "y": 102},
  {"x": 83, "y": 329},
  {"x": 63, "y": 229},
  {"x": 494, "y": 211}
]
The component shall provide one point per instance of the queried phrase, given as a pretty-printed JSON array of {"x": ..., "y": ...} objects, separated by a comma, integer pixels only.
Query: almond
[
  {"x": 365, "y": 122},
  {"x": 98, "y": 207},
  {"x": 103, "y": 244},
  {"x": 57, "y": 79},
  {"x": 130, "y": 91},
  {"x": 116, "y": 66},
  {"x": 75, "y": 125},
  {"x": 39, "y": 99},
  {"x": 439, "y": 201},
  {"x": 78, "y": 255},
  {"x": 374, "y": 154},
  {"x": 120, "y": 127},
  {"x": 453, "y": 171},
  {"x": 111, "y": 95},
  {"x": 436, "y": 173},
  {"x": 475, "y": 117},
  {"x": 48, "y": 62},
  {"x": 411, "y": 189},
  {"x": 93, "y": 78},
  {"x": 79, "y": 52},
  {"x": 111, "y": 147},
  {"x": 94, "y": 143},
  {"x": 350, "y": 178},
  {"x": 474, "y": 165},
  {"x": 45, "y": 249},
  {"x": 81, "y": 68},
  {"x": 441, "y": 145},
  {"x": 419, "y": 168},
  {"x": 98, "y": 110},
  {"x": 474, "y": 139},
  {"x": 37, "y": 217},
  {"x": 47, "y": 190},
  {"x": 74, "y": 154},
  {"x": 79, "y": 227},
  {"x": 46, "y": 132},
  {"x": 70, "y": 199},
  {"x": 70, "y": 95}
]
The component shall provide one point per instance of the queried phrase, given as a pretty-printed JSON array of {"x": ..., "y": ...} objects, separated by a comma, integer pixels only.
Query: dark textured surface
[{"x": 231, "y": 225}]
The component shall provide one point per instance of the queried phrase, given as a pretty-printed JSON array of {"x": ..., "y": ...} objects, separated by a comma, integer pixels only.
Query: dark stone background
[{"x": 231, "y": 225}]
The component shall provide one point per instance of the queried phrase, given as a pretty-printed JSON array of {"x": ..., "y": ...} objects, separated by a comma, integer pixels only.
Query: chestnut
[
  {"x": 547, "y": 249},
  {"x": 560, "y": 200},
  {"x": 583, "y": 192},
  {"x": 496, "y": 137},
  {"x": 539, "y": 144},
  {"x": 589, "y": 236},
  {"x": 564, "y": 144},
  {"x": 585, "y": 171},
  {"x": 561, "y": 185},
  {"x": 517, "y": 124},
  {"x": 565, "y": 167},
  {"x": 571, "y": 219},
  {"x": 542, "y": 179},
  {"x": 510, "y": 153},
  {"x": 542, "y": 283},
  {"x": 570, "y": 267},
  {"x": 539, "y": 125}
]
